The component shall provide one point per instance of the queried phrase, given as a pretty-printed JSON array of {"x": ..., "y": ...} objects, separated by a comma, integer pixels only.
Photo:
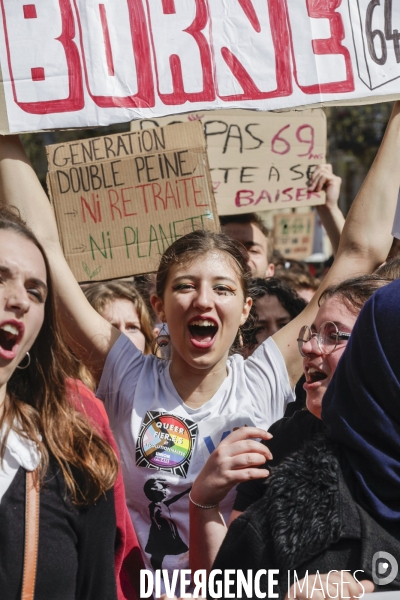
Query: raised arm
[
  {"x": 237, "y": 458},
  {"x": 366, "y": 237},
  {"x": 332, "y": 218},
  {"x": 90, "y": 335}
]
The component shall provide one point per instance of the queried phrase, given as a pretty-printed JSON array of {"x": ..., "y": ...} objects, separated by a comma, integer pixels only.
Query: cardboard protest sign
[
  {"x": 294, "y": 234},
  {"x": 77, "y": 63},
  {"x": 259, "y": 160},
  {"x": 121, "y": 200}
]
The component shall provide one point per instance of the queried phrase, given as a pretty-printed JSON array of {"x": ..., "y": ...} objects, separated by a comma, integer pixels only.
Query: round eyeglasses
[{"x": 328, "y": 336}]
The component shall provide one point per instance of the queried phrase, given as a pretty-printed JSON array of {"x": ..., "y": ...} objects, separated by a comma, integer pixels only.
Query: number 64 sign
[{"x": 75, "y": 63}]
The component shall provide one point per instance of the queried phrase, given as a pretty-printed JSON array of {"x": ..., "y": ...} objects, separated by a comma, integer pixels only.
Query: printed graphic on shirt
[
  {"x": 164, "y": 536},
  {"x": 213, "y": 431},
  {"x": 166, "y": 443}
]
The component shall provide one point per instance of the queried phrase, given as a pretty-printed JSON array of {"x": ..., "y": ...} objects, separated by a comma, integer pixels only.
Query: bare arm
[
  {"x": 330, "y": 214},
  {"x": 207, "y": 532},
  {"x": 235, "y": 459},
  {"x": 90, "y": 335},
  {"x": 363, "y": 245}
]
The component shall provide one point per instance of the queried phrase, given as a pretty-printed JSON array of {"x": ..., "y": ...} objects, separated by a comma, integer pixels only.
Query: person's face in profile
[
  {"x": 318, "y": 367},
  {"x": 158, "y": 491}
]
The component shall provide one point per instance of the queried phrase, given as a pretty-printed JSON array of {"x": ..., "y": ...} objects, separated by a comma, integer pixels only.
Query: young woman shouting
[{"x": 168, "y": 416}]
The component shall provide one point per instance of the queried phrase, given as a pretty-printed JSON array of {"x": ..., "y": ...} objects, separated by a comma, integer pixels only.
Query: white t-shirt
[
  {"x": 164, "y": 444},
  {"x": 19, "y": 452}
]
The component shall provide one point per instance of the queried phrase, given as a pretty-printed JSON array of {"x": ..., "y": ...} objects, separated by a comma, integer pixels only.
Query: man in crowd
[{"x": 250, "y": 231}]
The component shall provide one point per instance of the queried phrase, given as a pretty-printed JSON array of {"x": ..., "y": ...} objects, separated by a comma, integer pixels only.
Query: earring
[
  {"x": 28, "y": 363},
  {"x": 163, "y": 338},
  {"x": 161, "y": 344},
  {"x": 240, "y": 337}
]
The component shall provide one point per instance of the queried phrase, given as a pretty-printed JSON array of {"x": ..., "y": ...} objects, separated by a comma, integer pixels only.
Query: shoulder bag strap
[{"x": 31, "y": 535}]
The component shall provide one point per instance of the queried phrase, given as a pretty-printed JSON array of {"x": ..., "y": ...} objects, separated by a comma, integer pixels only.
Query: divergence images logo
[{"x": 384, "y": 568}]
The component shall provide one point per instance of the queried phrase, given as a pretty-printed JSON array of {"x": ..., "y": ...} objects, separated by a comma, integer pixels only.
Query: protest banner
[
  {"x": 121, "y": 200},
  {"x": 78, "y": 63},
  {"x": 294, "y": 234},
  {"x": 258, "y": 160}
]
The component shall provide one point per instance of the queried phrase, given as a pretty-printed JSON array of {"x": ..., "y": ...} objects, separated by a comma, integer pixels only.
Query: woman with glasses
[
  {"x": 335, "y": 504},
  {"x": 321, "y": 345}
]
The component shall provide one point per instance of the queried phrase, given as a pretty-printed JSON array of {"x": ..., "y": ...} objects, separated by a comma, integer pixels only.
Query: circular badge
[{"x": 166, "y": 442}]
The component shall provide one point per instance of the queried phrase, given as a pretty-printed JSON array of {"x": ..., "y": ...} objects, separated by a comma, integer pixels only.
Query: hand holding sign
[
  {"x": 323, "y": 178},
  {"x": 330, "y": 214}
]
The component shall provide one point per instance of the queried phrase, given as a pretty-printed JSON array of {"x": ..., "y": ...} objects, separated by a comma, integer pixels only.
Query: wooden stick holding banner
[{"x": 121, "y": 200}]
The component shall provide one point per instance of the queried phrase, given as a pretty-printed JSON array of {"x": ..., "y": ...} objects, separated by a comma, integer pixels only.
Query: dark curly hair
[{"x": 287, "y": 297}]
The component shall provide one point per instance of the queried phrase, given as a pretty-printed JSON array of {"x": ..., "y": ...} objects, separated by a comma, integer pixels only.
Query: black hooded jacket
[{"x": 307, "y": 520}]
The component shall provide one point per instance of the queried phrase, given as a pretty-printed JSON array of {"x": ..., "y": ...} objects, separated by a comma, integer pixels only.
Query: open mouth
[
  {"x": 314, "y": 375},
  {"x": 10, "y": 335},
  {"x": 202, "y": 332}
]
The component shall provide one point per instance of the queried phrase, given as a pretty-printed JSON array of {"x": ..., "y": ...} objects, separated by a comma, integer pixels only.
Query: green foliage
[
  {"x": 354, "y": 136},
  {"x": 357, "y": 130}
]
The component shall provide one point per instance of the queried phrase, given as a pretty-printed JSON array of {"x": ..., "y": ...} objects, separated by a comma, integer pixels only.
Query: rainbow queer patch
[{"x": 166, "y": 443}]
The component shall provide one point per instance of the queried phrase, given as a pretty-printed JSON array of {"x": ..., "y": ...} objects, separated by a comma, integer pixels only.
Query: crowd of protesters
[{"x": 232, "y": 412}]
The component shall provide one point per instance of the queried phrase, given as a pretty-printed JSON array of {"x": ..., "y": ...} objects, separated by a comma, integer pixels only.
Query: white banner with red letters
[{"x": 79, "y": 63}]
